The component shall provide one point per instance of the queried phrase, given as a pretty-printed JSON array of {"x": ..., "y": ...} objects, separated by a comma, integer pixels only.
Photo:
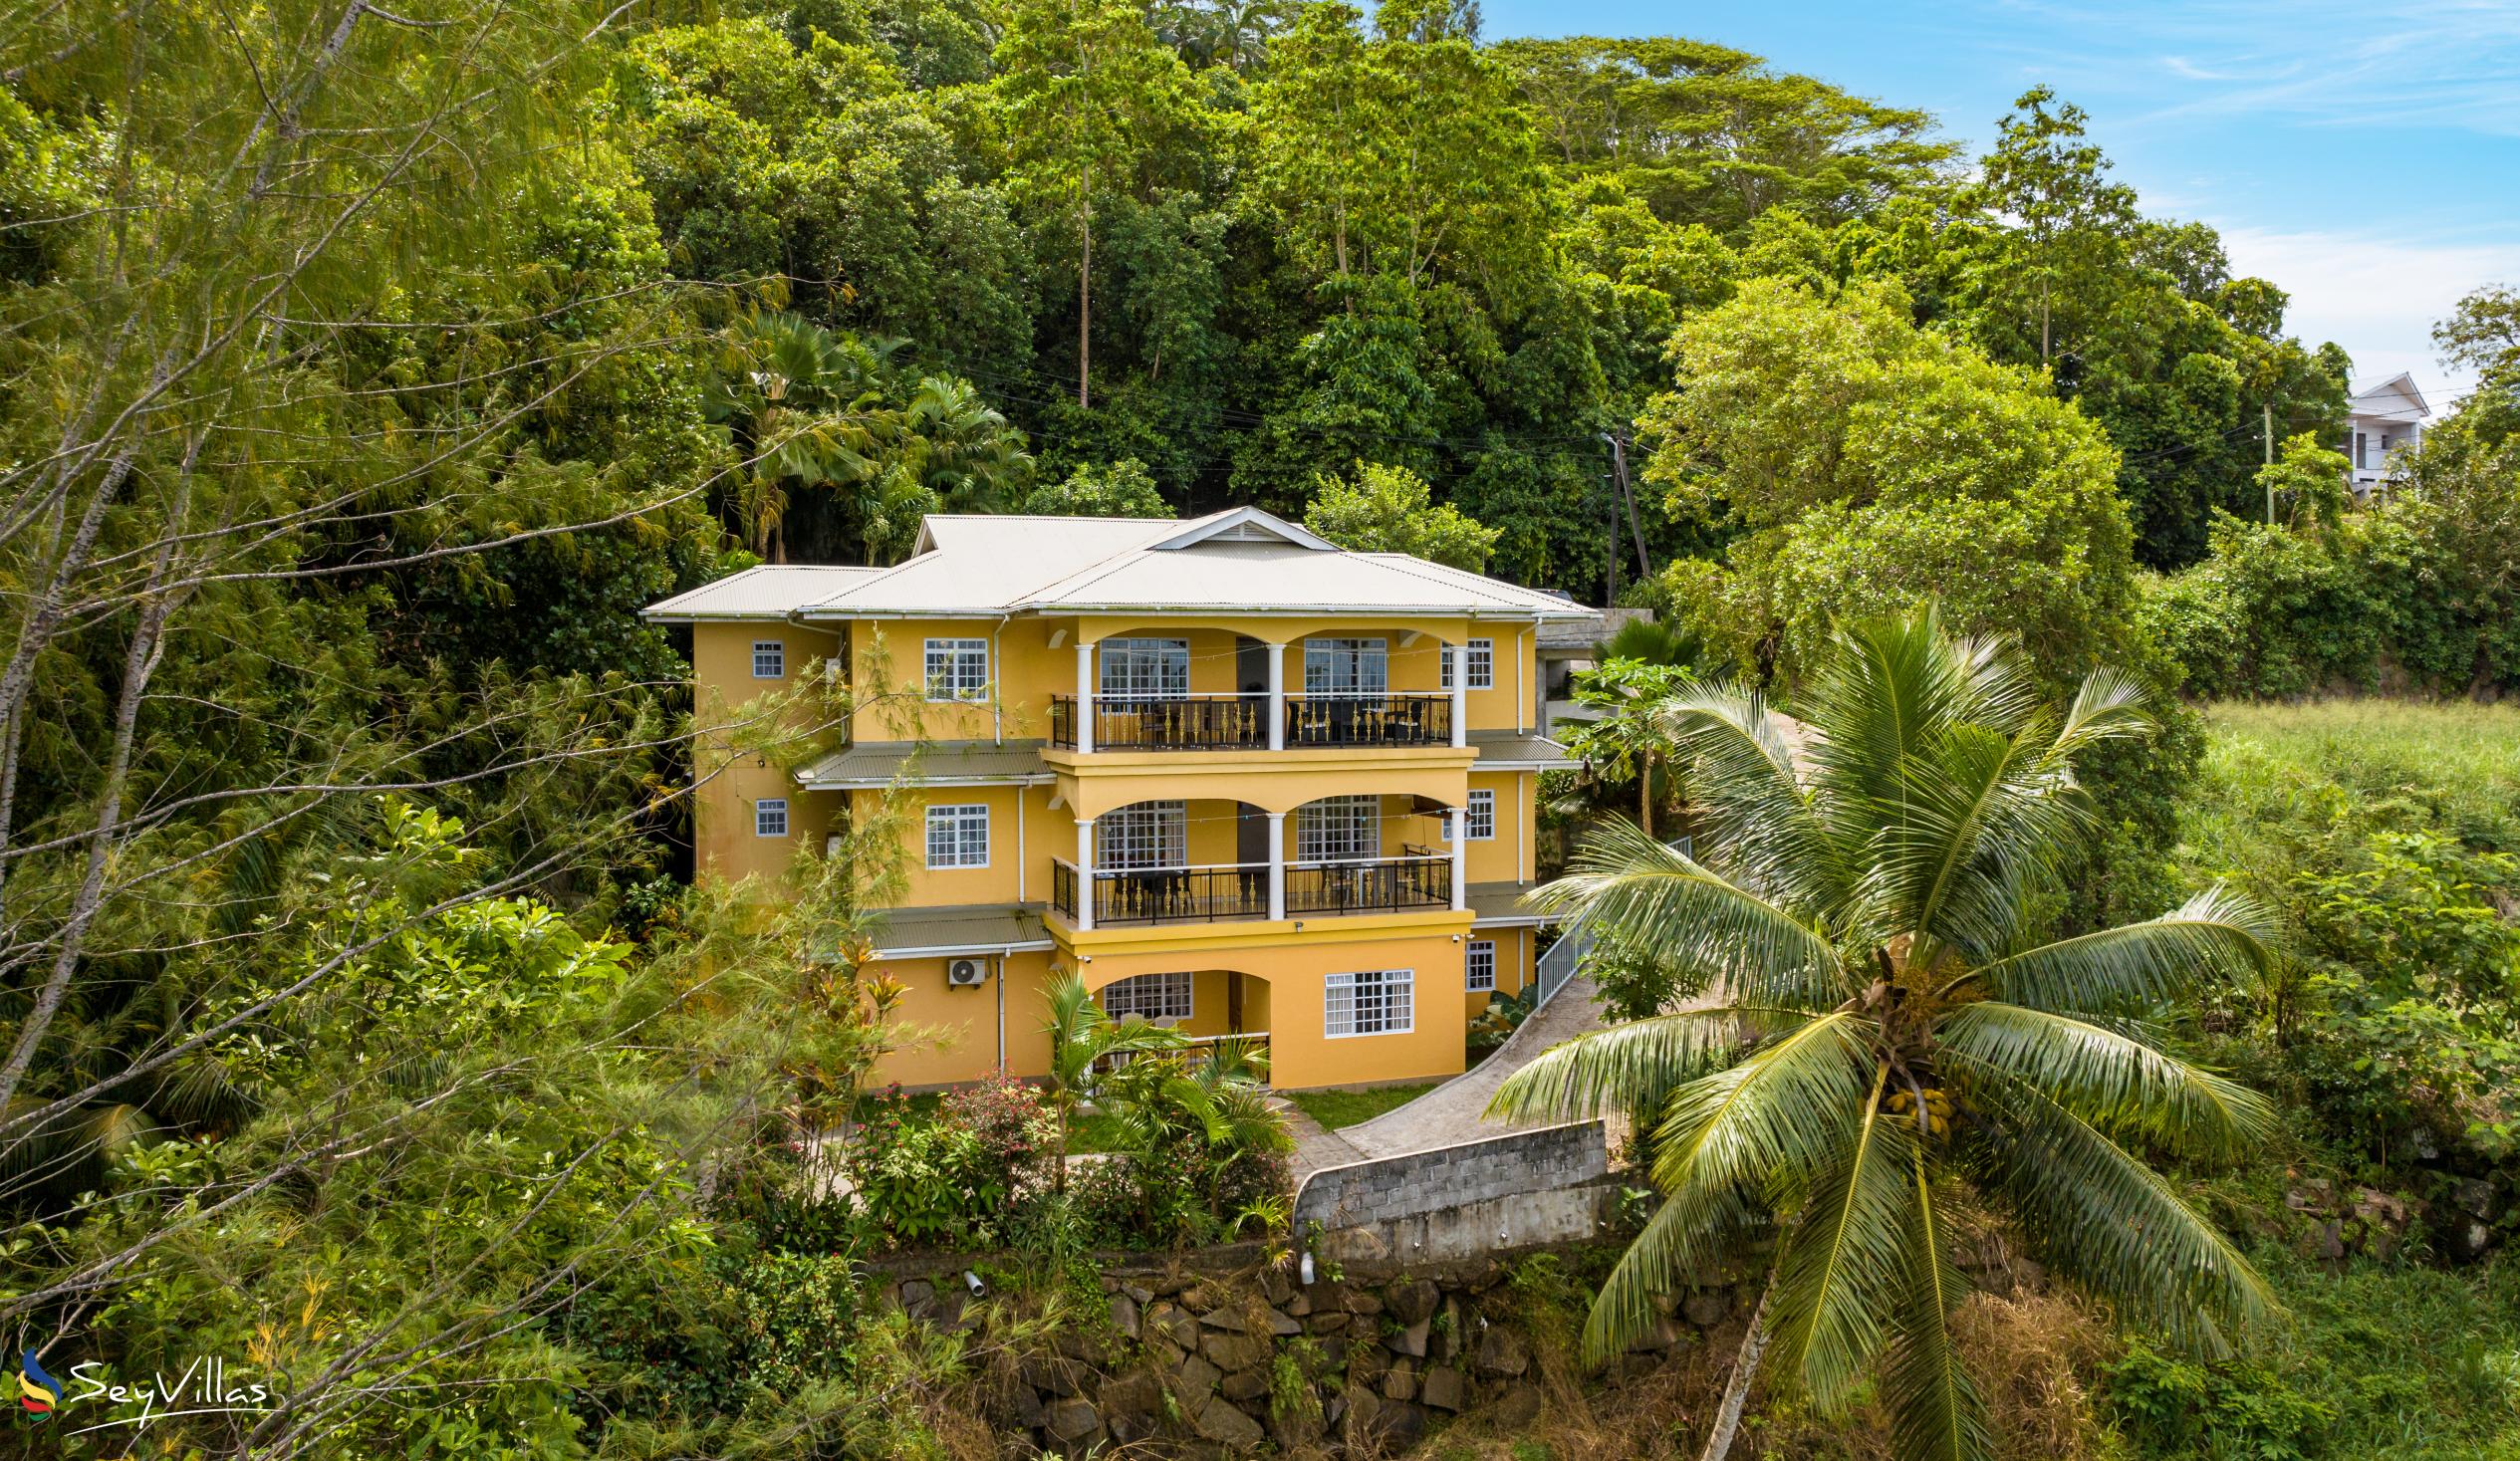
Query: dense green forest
[{"x": 365, "y": 369}]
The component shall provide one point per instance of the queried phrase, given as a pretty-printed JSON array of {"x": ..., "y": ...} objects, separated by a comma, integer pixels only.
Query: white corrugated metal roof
[
  {"x": 1241, "y": 560},
  {"x": 767, "y": 591}
]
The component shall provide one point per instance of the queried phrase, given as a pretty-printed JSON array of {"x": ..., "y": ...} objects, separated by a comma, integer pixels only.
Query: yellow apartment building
[{"x": 1243, "y": 781}]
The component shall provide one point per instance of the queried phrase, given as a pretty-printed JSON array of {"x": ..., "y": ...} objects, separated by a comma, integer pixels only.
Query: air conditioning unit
[{"x": 966, "y": 973}]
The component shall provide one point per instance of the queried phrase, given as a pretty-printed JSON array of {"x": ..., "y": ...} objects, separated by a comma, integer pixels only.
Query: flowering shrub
[{"x": 1013, "y": 1123}]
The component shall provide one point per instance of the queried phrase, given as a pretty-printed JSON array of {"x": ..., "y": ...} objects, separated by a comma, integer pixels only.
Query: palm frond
[
  {"x": 1749, "y": 796},
  {"x": 2110, "y": 705},
  {"x": 1936, "y": 1413},
  {"x": 2111, "y": 1079},
  {"x": 1979, "y": 820},
  {"x": 1785, "y": 1114},
  {"x": 2206, "y": 942},
  {"x": 1846, "y": 1265},
  {"x": 2105, "y": 1218},
  {"x": 1626, "y": 1064},
  {"x": 1655, "y": 896},
  {"x": 1894, "y": 685},
  {"x": 1687, "y": 1236}
]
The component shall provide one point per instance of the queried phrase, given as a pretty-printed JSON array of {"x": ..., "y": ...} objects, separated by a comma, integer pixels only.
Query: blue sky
[{"x": 2364, "y": 157}]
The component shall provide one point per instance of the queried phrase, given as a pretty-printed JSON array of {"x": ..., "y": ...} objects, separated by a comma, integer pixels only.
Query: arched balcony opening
[
  {"x": 1218, "y": 860},
  {"x": 1164, "y": 689}
]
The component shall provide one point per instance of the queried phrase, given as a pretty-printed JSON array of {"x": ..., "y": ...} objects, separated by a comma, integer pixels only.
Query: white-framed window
[
  {"x": 1161, "y": 998},
  {"x": 1146, "y": 669},
  {"x": 1339, "y": 830},
  {"x": 1143, "y": 834},
  {"x": 1481, "y": 815},
  {"x": 958, "y": 669},
  {"x": 769, "y": 659},
  {"x": 770, "y": 817},
  {"x": 1478, "y": 965},
  {"x": 1482, "y": 665},
  {"x": 958, "y": 835},
  {"x": 1347, "y": 666},
  {"x": 1375, "y": 1002}
]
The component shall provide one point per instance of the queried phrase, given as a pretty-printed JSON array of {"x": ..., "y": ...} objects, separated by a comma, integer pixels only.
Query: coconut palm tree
[{"x": 1884, "y": 1030}]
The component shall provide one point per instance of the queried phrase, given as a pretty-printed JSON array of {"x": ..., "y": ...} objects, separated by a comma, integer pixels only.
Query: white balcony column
[
  {"x": 1277, "y": 702},
  {"x": 1084, "y": 698},
  {"x": 1460, "y": 655},
  {"x": 1456, "y": 829},
  {"x": 1277, "y": 867},
  {"x": 1085, "y": 875}
]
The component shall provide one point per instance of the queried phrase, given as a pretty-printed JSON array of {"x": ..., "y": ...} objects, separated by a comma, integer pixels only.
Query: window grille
[
  {"x": 769, "y": 659},
  {"x": 1482, "y": 665},
  {"x": 770, "y": 817},
  {"x": 1375, "y": 1002},
  {"x": 1157, "y": 997},
  {"x": 1347, "y": 667},
  {"x": 1146, "y": 669},
  {"x": 958, "y": 669},
  {"x": 1147, "y": 835},
  {"x": 958, "y": 837},
  {"x": 1339, "y": 830},
  {"x": 1480, "y": 965}
]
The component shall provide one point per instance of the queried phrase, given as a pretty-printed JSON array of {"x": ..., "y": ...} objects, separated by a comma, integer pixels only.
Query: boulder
[
  {"x": 1358, "y": 1301},
  {"x": 1708, "y": 1308},
  {"x": 1051, "y": 1377},
  {"x": 1516, "y": 1409},
  {"x": 1399, "y": 1382},
  {"x": 1220, "y": 1421},
  {"x": 1244, "y": 1384},
  {"x": 1200, "y": 1297},
  {"x": 1275, "y": 1283},
  {"x": 1410, "y": 1340},
  {"x": 1502, "y": 1352},
  {"x": 1442, "y": 1389},
  {"x": 1125, "y": 1315},
  {"x": 1362, "y": 1411},
  {"x": 1411, "y": 1301},
  {"x": 1328, "y": 1323},
  {"x": 1134, "y": 1394},
  {"x": 1142, "y": 1295},
  {"x": 1197, "y": 1377},
  {"x": 1229, "y": 1352},
  {"x": 1175, "y": 1324},
  {"x": 1399, "y": 1424},
  {"x": 1298, "y": 1303},
  {"x": 1657, "y": 1336},
  {"x": 1074, "y": 1422},
  {"x": 1283, "y": 1325}
]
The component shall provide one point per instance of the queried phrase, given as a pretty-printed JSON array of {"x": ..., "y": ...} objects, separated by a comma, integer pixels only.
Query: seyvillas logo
[
  {"x": 38, "y": 1393},
  {"x": 202, "y": 1387}
]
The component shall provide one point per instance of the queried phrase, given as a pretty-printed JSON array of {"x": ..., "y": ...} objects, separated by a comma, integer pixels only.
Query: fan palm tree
[{"x": 1884, "y": 1029}]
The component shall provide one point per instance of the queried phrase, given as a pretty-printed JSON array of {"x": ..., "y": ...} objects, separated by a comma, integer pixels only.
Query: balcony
[
  {"x": 1137, "y": 897},
  {"x": 1242, "y": 722},
  {"x": 1167, "y": 723}
]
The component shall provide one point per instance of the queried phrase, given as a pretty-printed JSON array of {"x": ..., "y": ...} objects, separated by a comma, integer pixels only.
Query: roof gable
[
  {"x": 1244, "y": 525},
  {"x": 2391, "y": 396}
]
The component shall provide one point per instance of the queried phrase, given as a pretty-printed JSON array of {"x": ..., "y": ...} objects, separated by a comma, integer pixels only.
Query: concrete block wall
[{"x": 1448, "y": 1179}]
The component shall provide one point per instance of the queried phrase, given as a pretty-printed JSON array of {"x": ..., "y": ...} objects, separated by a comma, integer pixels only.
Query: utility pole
[
  {"x": 1619, "y": 470},
  {"x": 1610, "y": 589},
  {"x": 2269, "y": 408}
]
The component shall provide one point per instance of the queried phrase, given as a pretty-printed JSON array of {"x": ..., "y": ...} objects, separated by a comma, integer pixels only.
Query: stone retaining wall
[{"x": 1199, "y": 1362}]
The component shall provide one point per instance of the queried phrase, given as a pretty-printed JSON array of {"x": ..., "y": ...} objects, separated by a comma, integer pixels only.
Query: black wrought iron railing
[
  {"x": 1174, "y": 723},
  {"x": 1123, "y": 897},
  {"x": 1385, "y": 885},
  {"x": 1368, "y": 720}
]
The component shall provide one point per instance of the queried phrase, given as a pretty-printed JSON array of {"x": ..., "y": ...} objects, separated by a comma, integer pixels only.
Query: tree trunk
[
  {"x": 1644, "y": 792},
  {"x": 1085, "y": 298},
  {"x": 1745, "y": 1367}
]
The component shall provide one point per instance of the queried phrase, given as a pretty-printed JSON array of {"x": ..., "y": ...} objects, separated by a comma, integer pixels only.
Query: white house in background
[{"x": 2381, "y": 421}]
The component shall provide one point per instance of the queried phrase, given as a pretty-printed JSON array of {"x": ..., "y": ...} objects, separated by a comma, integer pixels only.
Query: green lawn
[{"x": 1337, "y": 1109}]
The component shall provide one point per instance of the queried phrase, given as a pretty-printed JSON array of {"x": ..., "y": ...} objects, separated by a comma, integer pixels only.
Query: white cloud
[{"x": 2378, "y": 297}]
